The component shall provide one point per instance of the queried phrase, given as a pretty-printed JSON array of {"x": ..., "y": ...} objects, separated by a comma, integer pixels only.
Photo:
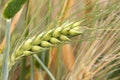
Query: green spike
[
  {"x": 68, "y": 24},
  {"x": 18, "y": 52},
  {"x": 26, "y": 53},
  {"x": 46, "y": 36},
  {"x": 38, "y": 38},
  {"x": 77, "y": 23},
  {"x": 37, "y": 48},
  {"x": 46, "y": 44},
  {"x": 54, "y": 40},
  {"x": 56, "y": 32},
  {"x": 64, "y": 38},
  {"x": 65, "y": 31},
  {"x": 27, "y": 45},
  {"x": 74, "y": 32}
]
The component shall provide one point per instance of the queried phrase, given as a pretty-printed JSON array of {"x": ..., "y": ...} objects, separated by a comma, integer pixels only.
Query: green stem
[
  {"x": 23, "y": 70},
  {"x": 5, "y": 71},
  {"x": 32, "y": 68},
  {"x": 44, "y": 67}
]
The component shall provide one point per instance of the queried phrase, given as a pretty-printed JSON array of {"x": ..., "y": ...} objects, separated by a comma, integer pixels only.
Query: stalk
[
  {"x": 32, "y": 68},
  {"x": 5, "y": 65},
  {"x": 44, "y": 67}
]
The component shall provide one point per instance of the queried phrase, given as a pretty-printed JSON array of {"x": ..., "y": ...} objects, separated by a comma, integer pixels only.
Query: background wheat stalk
[{"x": 99, "y": 59}]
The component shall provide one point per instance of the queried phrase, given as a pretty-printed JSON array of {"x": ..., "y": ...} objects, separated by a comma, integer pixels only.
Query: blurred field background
[{"x": 94, "y": 55}]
